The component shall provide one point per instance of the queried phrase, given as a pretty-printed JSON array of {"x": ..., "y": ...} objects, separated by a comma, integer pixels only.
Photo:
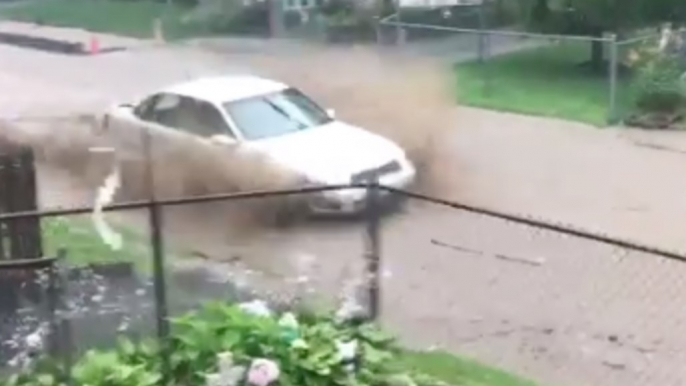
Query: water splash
[{"x": 105, "y": 196}]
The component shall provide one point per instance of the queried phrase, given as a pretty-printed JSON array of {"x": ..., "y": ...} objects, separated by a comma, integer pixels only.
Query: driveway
[{"x": 553, "y": 308}]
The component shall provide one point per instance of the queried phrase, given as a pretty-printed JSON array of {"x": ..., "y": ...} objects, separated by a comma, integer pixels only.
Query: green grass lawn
[
  {"x": 83, "y": 245},
  {"x": 547, "y": 81},
  {"x": 127, "y": 18},
  {"x": 458, "y": 371}
]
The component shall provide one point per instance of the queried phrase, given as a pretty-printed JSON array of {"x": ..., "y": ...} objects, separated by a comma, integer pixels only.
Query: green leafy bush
[
  {"x": 229, "y": 16},
  {"x": 307, "y": 350},
  {"x": 659, "y": 86},
  {"x": 109, "y": 369}
]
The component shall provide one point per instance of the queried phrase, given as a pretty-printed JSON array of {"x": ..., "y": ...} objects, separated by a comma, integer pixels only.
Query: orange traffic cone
[{"x": 94, "y": 47}]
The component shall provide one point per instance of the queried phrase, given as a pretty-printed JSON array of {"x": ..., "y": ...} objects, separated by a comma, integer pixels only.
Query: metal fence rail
[
  {"x": 486, "y": 49},
  {"x": 373, "y": 235},
  {"x": 373, "y": 219}
]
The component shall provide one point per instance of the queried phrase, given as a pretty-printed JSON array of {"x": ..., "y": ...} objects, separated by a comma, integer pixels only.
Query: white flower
[
  {"x": 349, "y": 309},
  {"x": 262, "y": 372},
  {"x": 225, "y": 361},
  {"x": 232, "y": 376},
  {"x": 256, "y": 307},
  {"x": 213, "y": 379},
  {"x": 34, "y": 341},
  {"x": 14, "y": 362},
  {"x": 346, "y": 351},
  {"x": 228, "y": 375},
  {"x": 288, "y": 320}
]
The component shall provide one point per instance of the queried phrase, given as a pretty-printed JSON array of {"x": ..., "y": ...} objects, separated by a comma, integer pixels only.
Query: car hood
[{"x": 331, "y": 153}]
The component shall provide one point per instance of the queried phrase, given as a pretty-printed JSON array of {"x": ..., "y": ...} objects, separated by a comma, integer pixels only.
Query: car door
[
  {"x": 203, "y": 120},
  {"x": 129, "y": 125},
  {"x": 161, "y": 118},
  {"x": 173, "y": 122}
]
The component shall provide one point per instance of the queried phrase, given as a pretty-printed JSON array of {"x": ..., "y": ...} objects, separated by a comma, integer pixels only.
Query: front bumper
[{"x": 354, "y": 200}]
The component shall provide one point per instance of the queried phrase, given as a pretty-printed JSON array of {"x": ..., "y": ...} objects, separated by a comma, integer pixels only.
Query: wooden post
[
  {"x": 2, "y": 239},
  {"x": 3, "y": 188},
  {"x": 21, "y": 237},
  {"x": 158, "y": 31},
  {"x": 31, "y": 239}
]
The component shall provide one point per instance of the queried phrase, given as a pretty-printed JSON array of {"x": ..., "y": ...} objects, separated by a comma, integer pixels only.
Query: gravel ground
[{"x": 556, "y": 309}]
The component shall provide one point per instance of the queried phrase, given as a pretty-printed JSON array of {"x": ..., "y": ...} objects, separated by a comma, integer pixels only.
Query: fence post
[
  {"x": 482, "y": 35},
  {"x": 614, "y": 69},
  {"x": 377, "y": 30},
  {"x": 4, "y": 166},
  {"x": 373, "y": 250},
  {"x": 488, "y": 85},
  {"x": 2, "y": 235},
  {"x": 67, "y": 349},
  {"x": 54, "y": 293},
  {"x": 31, "y": 227},
  {"x": 400, "y": 37},
  {"x": 61, "y": 339},
  {"x": 156, "y": 239}
]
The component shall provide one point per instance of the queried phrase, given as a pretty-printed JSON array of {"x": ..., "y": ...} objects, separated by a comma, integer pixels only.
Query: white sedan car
[{"x": 279, "y": 122}]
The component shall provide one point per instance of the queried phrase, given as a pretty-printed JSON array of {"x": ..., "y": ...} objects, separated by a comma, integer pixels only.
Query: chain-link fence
[
  {"x": 582, "y": 78},
  {"x": 557, "y": 309},
  {"x": 634, "y": 53},
  {"x": 125, "y": 273},
  {"x": 538, "y": 303},
  {"x": 495, "y": 62},
  {"x": 544, "y": 301}
]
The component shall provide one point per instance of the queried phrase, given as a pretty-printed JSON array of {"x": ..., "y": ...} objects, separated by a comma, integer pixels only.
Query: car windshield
[{"x": 275, "y": 114}]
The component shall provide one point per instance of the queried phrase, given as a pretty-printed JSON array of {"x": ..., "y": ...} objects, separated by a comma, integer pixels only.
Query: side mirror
[
  {"x": 222, "y": 140},
  {"x": 331, "y": 113}
]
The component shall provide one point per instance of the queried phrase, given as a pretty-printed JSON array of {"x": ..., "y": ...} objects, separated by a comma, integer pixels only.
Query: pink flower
[{"x": 262, "y": 372}]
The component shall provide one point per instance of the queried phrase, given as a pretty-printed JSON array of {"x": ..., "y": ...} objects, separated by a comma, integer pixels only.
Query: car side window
[
  {"x": 209, "y": 121},
  {"x": 144, "y": 108},
  {"x": 160, "y": 108},
  {"x": 200, "y": 118},
  {"x": 185, "y": 114}
]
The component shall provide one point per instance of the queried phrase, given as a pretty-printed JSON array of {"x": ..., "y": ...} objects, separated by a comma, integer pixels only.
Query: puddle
[{"x": 102, "y": 307}]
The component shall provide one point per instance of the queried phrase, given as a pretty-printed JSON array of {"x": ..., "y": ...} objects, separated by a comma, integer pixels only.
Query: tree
[
  {"x": 589, "y": 18},
  {"x": 596, "y": 17}
]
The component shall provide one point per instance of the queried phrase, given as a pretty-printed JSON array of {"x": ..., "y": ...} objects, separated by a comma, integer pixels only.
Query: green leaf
[
  {"x": 374, "y": 356},
  {"x": 46, "y": 380}
]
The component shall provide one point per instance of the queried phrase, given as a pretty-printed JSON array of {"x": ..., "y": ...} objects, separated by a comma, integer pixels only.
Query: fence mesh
[
  {"x": 554, "y": 308},
  {"x": 509, "y": 70},
  {"x": 548, "y": 307},
  {"x": 633, "y": 52}
]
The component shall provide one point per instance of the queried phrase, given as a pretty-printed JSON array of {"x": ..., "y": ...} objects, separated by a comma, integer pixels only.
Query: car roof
[{"x": 221, "y": 89}]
